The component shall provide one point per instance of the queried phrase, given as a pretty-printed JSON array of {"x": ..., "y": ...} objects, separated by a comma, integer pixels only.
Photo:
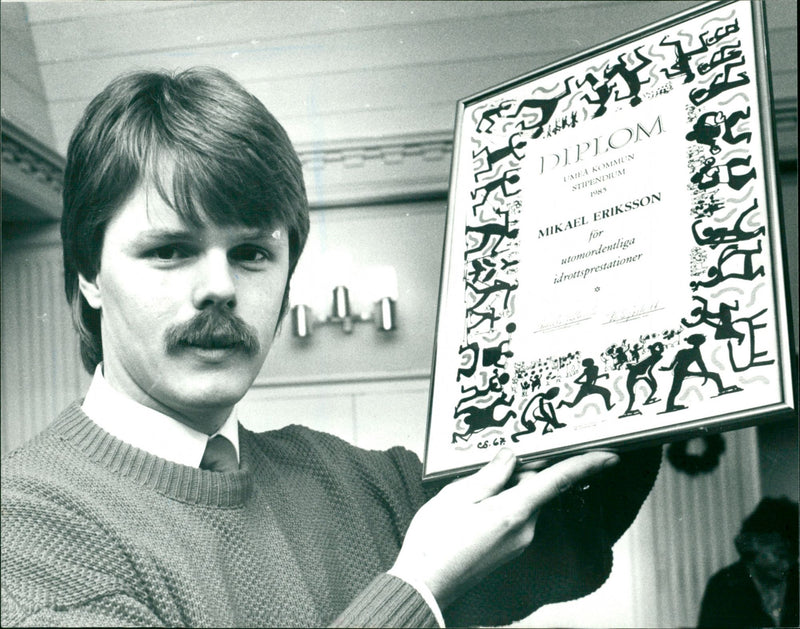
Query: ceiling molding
[
  {"x": 372, "y": 171},
  {"x": 32, "y": 177}
]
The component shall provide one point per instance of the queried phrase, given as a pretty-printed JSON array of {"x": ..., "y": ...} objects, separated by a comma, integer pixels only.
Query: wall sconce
[{"x": 380, "y": 280}]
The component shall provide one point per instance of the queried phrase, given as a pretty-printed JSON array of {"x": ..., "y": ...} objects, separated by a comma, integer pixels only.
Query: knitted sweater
[{"x": 96, "y": 532}]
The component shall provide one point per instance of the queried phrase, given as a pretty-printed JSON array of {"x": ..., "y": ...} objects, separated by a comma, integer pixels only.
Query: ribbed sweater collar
[{"x": 179, "y": 482}]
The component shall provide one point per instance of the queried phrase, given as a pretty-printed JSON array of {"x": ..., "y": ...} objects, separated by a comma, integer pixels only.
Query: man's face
[
  {"x": 166, "y": 291},
  {"x": 771, "y": 558}
]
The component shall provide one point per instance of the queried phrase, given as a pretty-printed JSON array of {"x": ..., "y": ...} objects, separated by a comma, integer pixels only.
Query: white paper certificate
[{"x": 612, "y": 268}]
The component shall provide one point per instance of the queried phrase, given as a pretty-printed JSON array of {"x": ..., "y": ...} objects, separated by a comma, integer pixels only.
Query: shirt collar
[{"x": 147, "y": 429}]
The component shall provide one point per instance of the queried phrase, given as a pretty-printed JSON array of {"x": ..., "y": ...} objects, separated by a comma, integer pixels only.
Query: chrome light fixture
[{"x": 382, "y": 315}]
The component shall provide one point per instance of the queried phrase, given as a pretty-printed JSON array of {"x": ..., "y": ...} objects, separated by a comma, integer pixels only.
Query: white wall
[
  {"x": 23, "y": 97},
  {"x": 373, "y": 415}
]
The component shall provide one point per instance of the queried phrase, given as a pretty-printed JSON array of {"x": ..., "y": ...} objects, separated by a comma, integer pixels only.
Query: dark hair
[
  {"x": 771, "y": 516},
  {"x": 198, "y": 132}
]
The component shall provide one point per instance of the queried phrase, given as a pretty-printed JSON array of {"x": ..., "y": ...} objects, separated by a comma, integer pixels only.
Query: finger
[
  {"x": 487, "y": 481},
  {"x": 559, "y": 477},
  {"x": 534, "y": 466},
  {"x": 520, "y": 477},
  {"x": 540, "y": 464},
  {"x": 537, "y": 488}
]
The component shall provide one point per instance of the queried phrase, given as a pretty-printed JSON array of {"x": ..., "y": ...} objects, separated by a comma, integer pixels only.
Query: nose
[{"x": 214, "y": 283}]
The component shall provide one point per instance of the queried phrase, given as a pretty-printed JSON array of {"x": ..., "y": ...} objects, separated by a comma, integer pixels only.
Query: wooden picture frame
[{"x": 613, "y": 270}]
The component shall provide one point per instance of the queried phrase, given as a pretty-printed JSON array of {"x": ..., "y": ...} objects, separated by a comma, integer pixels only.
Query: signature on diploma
[
  {"x": 563, "y": 322},
  {"x": 638, "y": 312}
]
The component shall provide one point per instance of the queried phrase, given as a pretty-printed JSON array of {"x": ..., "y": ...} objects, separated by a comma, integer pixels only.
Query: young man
[{"x": 184, "y": 216}]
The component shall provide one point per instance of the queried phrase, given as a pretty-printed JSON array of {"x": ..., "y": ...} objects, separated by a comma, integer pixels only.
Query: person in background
[
  {"x": 761, "y": 589},
  {"x": 146, "y": 503}
]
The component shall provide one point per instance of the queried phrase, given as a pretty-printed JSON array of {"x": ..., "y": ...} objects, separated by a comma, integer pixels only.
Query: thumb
[{"x": 487, "y": 481}]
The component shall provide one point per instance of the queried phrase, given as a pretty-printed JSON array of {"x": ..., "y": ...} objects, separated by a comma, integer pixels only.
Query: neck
[{"x": 203, "y": 420}]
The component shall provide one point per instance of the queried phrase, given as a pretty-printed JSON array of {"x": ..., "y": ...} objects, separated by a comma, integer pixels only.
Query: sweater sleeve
[
  {"x": 387, "y": 602},
  {"x": 571, "y": 553}
]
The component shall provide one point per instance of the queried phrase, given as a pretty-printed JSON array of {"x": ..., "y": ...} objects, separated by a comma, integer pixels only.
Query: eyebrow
[
  {"x": 156, "y": 235},
  {"x": 271, "y": 233},
  {"x": 266, "y": 233}
]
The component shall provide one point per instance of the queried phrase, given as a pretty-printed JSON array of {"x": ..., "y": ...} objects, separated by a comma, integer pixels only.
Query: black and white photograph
[{"x": 399, "y": 313}]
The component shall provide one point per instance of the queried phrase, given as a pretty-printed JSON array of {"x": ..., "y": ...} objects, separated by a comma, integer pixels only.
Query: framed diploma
[{"x": 613, "y": 271}]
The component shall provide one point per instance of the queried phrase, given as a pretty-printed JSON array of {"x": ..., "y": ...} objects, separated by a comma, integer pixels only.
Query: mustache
[{"x": 213, "y": 329}]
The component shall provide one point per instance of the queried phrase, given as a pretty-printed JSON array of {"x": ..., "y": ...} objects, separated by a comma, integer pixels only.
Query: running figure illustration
[
  {"x": 681, "y": 367},
  {"x": 591, "y": 374}
]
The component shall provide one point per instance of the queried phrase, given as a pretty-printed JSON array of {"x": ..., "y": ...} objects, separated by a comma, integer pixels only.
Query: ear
[{"x": 91, "y": 291}]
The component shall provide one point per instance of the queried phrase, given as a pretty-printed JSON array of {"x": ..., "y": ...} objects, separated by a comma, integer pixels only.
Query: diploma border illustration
[{"x": 705, "y": 58}]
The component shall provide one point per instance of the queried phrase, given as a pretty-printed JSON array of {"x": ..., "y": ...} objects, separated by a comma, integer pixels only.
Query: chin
[
  {"x": 209, "y": 391},
  {"x": 193, "y": 385}
]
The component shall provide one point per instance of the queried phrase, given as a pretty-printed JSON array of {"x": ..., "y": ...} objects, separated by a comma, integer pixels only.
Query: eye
[
  {"x": 250, "y": 254},
  {"x": 169, "y": 253}
]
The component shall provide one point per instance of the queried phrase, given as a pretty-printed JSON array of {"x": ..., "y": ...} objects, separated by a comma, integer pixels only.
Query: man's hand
[{"x": 473, "y": 526}]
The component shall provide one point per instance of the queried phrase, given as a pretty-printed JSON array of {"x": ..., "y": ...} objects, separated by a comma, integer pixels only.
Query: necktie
[{"x": 220, "y": 456}]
